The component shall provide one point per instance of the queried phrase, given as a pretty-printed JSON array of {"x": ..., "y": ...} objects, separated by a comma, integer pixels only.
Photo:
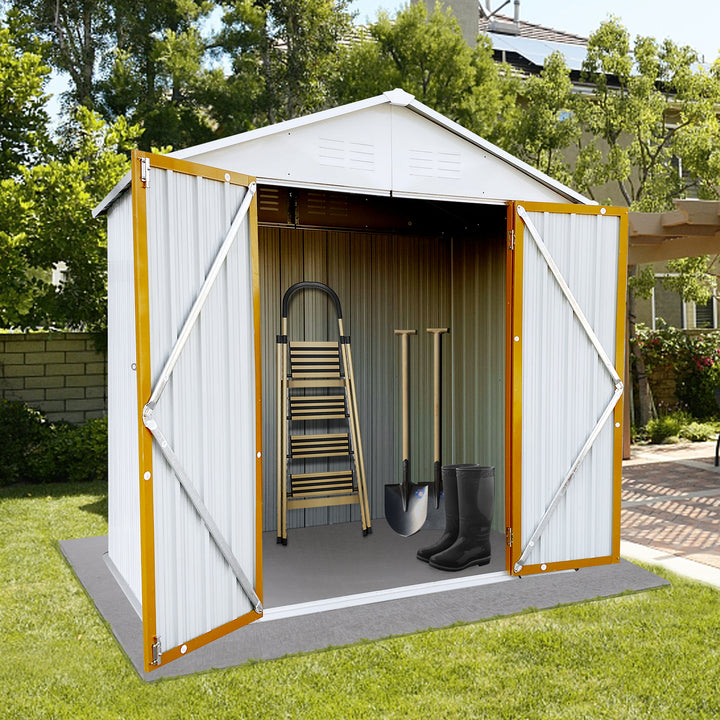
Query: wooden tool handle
[
  {"x": 437, "y": 334},
  {"x": 404, "y": 334}
]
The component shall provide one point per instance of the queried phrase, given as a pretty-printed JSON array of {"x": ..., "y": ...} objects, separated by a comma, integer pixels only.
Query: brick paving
[{"x": 671, "y": 500}]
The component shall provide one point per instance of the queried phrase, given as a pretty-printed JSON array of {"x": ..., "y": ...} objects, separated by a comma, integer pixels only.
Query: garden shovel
[
  {"x": 436, "y": 502},
  {"x": 406, "y": 504}
]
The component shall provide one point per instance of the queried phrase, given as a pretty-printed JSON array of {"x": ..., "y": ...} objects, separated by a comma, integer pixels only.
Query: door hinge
[
  {"x": 156, "y": 651},
  {"x": 511, "y": 239},
  {"x": 509, "y": 536},
  {"x": 145, "y": 171}
]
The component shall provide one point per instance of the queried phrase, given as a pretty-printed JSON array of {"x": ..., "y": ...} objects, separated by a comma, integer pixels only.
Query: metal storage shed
[{"x": 415, "y": 222}]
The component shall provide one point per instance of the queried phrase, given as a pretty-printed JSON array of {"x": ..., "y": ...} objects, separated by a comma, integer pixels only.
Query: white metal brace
[
  {"x": 148, "y": 411},
  {"x": 605, "y": 414}
]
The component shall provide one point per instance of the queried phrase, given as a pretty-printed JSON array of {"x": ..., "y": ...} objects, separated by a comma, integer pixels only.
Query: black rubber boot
[
  {"x": 452, "y": 520},
  {"x": 476, "y": 496}
]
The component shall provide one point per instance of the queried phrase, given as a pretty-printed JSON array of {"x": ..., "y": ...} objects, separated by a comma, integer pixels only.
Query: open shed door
[
  {"x": 567, "y": 314},
  {"x": 199, "y": 393}
]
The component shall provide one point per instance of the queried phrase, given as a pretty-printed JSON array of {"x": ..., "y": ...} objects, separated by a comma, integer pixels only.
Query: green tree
[
  {"x": 23, "y": 74},
  {"x": 547, "y": 126},
  {"x": 427, "y": 56},
  {"x": 158, "y": 74},
  {"x": 284, "y": 56},
  {"x": 78, "y": 33},
  {"x": 46, "y": 219},
  {"x": 651, "y": 118}
]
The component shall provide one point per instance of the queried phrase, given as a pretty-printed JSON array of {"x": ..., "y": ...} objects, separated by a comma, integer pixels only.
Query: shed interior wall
[{"x": 419, "y": 265}]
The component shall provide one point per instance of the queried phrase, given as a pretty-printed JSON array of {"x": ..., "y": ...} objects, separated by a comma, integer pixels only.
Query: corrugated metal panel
[
  {"x": 385, "y": 282},
  {"x": 123, "y": 482},
  {"x": 478, "y": 360},
  {"x": 208, "y": 408},
  {"x": 566, "y": 387}
]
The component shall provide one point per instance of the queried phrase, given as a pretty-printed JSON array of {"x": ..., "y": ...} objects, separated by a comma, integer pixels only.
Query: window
[{"x": 669, "y": 306}]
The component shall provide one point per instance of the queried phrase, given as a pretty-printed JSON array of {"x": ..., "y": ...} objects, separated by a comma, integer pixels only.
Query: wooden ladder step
[
  {"x": 319, "y": 446},
  {"x": 317, "y": 407},
  {"x": 323, "y": 483}
]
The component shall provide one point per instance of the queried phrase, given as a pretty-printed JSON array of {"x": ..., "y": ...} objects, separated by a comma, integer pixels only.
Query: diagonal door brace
[
  {"x": 542, "y": 524},
  {"x": 148, "y": 411}
]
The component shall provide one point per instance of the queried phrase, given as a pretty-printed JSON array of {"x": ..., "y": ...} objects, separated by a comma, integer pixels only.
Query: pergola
[{"x": 692, "y": 228}]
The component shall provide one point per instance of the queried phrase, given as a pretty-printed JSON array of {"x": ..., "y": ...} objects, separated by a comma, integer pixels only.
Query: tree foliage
[
  {"x": 284, "y": 58},
  {"x": 78, "y": 33},
  {"x": 547, "y": 125},
  {"x": 159, "y": 74},
  {"x": 46, "y": 219},
  {"x": 24, "y": 136},
  {"x": 426, "y": 55},
  {"x": 651, "y": 119}
]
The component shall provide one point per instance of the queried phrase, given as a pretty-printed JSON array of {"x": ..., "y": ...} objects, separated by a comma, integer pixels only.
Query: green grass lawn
[{"x": 648, "y": 655}]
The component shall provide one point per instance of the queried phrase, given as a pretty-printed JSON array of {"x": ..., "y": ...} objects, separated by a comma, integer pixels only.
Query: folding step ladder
[{"x": 316, "y": 382}]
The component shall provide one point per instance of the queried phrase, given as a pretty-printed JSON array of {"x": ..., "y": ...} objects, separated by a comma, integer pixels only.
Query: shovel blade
[
  {"x": 436, "y": 501},
  {"x": 404, "y": 521},
  {"x": 436, "y": 510}
]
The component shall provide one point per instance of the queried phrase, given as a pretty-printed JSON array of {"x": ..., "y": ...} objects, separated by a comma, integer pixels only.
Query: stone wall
[{"x": 61, "y": 374}]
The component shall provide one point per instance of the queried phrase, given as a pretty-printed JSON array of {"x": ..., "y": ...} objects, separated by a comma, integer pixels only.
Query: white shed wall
[
  {"x": 207, "y": 411},
  {"x": 123, "y": 484},
  {"x": 565, "y": 387},
  {"x": 426, "y": 162}
]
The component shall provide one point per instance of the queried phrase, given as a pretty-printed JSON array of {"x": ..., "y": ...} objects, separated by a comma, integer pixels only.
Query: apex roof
[{"x": 390, "y": 144}]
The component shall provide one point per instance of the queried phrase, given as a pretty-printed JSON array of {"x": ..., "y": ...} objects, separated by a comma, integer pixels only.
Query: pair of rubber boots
[{"x": 469, "y": 492}]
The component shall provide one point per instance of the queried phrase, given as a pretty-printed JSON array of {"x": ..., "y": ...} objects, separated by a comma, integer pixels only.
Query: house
[{"x": 525, "y": 47}]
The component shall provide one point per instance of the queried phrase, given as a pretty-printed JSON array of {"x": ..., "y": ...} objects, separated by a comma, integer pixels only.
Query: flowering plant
[{"x": 694, "y": 358}]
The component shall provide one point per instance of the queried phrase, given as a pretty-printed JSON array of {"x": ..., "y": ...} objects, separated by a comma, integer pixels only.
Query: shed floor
[{"x": 331, "y": 586}]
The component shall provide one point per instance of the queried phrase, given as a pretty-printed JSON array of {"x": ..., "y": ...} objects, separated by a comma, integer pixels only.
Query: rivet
[
  {"x": 543, "y": 566},
  {"x": 516, "y": 338},
  {"x": 259, "y": 455},
  {"x": 603, "y": 211},
  {"x": 227, "y": 179},
  {"x": 147, "y": 475},
  {"x": 133, "y": 366},
  {"x": 183, "y": 649},
  {"x": 617, "y": 424}
]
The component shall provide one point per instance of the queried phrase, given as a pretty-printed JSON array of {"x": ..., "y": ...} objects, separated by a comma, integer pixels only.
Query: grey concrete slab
[{"x": 306, "y": 571}]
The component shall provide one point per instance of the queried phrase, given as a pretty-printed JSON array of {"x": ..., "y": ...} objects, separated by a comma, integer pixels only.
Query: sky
[{"x": 687, "y": 23}]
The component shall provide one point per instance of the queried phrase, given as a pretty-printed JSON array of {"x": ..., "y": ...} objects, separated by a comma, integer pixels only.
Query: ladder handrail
[{"x": 309, "y": 284}]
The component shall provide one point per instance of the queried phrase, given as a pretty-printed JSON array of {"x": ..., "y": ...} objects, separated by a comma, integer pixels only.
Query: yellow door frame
[
  {"x": 513, "y": 365},
  {"x": 141, "y": 162}
]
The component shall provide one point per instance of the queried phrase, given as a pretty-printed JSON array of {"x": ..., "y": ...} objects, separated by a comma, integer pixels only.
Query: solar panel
[{"x": 538, "y": 51}]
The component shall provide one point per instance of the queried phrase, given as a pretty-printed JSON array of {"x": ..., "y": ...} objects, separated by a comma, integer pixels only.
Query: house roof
[
  {"x": 531, "y": 30},
  {"x": 389, "y": 144}
]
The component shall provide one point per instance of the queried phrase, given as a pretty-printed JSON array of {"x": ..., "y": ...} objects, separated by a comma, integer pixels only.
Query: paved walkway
[{"x": 671, "y": 508}]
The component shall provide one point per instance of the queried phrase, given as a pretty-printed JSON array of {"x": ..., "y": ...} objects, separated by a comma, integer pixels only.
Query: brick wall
[
  {"x": 59, "y": 373},
  {"x": 663, "y": 384}
]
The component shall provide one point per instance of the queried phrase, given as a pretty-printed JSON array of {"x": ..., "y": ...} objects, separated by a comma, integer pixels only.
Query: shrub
[
  {"x": 22, "y": 432},
  {"x": 695, "y": 359},
  {"x": 34, "y": 450},
  {"x": 663, "y": 429},
  {"x": 699, "y": 432}
]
